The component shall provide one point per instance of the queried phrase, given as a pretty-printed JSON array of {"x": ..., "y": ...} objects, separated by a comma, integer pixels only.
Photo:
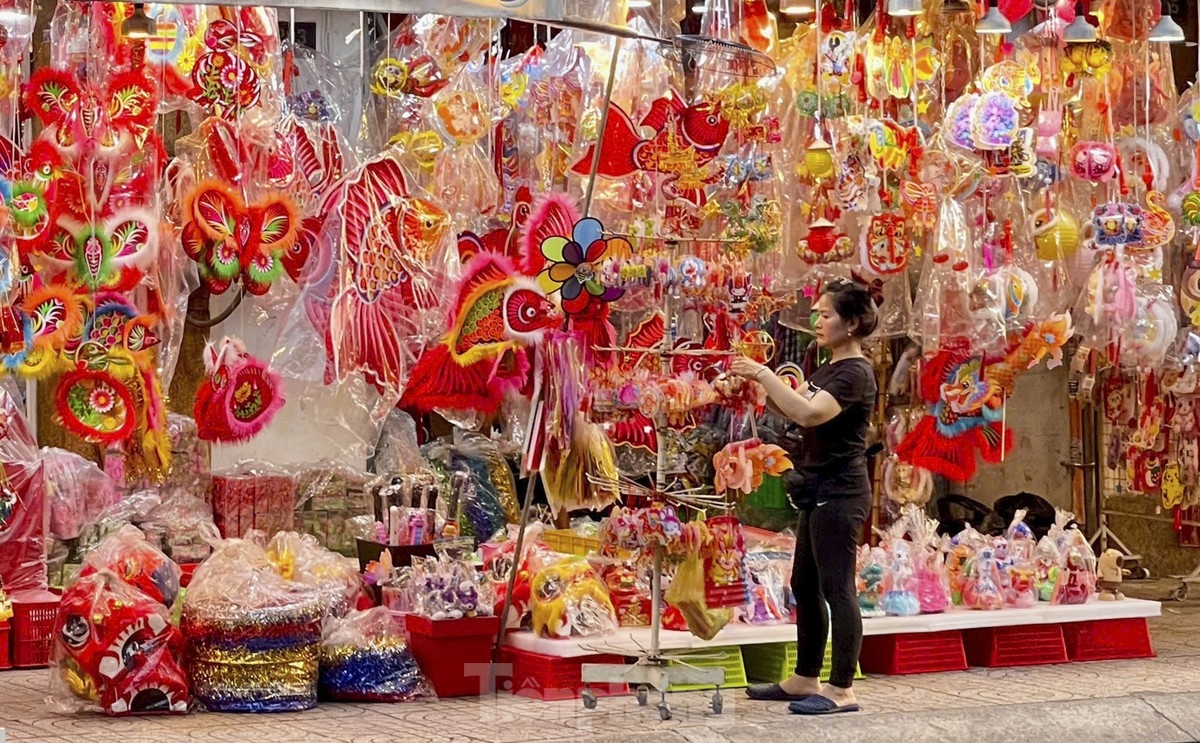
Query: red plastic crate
[
  {"x": 188, "y": 570},
  {"x": 1009, "y": 647},
  {"x": 455, "y": 654},
  {"x": 550, "y": 678},
  {"x": 904, "y": 654},
  {"x": 5, "y": 645},
  {"x": 33, "y": 629},
  {"x": 1108, "y": 639}
]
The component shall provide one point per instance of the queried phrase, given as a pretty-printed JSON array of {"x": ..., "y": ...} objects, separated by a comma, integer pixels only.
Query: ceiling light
[
  {"x": 1079, "y": 31},
  {"x": 700, "y": 7},
  {"x": 798, "y": 8},
  {"x": 139, "y": 25},
  {"x": 1167, "y": 31},
  {"x": 905, "y": 8},
  {"x": 994, "y": 23}
]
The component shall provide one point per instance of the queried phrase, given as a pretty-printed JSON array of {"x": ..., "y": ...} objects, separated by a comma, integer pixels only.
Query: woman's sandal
[
  {"x": 819, "y": 705},
  {"x": 773, "y": 693}
]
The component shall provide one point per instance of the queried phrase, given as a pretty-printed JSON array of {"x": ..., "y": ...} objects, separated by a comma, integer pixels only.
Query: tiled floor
[{"x": 945, "y": 697}]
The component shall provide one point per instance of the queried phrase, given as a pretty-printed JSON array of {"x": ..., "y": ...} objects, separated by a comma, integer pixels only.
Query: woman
[{"x": 832, "y": 490}]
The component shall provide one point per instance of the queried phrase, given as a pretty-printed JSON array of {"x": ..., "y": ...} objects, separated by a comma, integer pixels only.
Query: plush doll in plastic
[
  {"x": 116, "y": 646},
  {"x": 900, "y": 597},
  {"x": 570, "y": 599},
  {"x": 870, "y": 582},
  {"x": 1077, "y": 579},
  {"x": 933, "y": 585},
  {"x": 1046, "y": 566},
  {"x": 982, "y": 587}
]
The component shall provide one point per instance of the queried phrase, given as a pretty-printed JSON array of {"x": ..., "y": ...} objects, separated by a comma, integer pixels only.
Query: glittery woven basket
[{"x": 283, "y": 680}]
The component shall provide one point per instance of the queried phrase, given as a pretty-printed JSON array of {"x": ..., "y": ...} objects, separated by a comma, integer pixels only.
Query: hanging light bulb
[
  {"x": 904, "y": 8},
  {"x": 699, "y": 7},
  {"x": 994, "y": 23},
  {"x": 139, "y": 25},
  {"x": 797, "y": 7},
  {"x": 1079, "y": 31},
  {"x": 957, "y": 6},
  {"x": 1167, "y": 31},
  {"x": 638, "y": 4}
]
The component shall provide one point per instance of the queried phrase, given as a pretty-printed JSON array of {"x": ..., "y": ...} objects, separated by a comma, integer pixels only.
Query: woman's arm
[{"x": 807, "y": 412}]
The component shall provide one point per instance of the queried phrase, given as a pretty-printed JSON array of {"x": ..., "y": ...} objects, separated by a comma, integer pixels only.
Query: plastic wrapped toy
[
  {"x": 901, "y": 586},
  {"x": 1047, "y": 563},
  {"x": 1077, "y": 577},
  {"x": 871, "y": 574},
  {"x": 570, "y": 599},
  {"x": 982, "y": 588},
  {"x": 115, "y": 648},
  {"x": 128, "y": 555},
  {"x": 449, "y": 589},
  {"x": 365, "y": 658}
]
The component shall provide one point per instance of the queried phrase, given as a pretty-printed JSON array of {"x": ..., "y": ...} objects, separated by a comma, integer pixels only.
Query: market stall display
[{"x": 479, "y": 270}]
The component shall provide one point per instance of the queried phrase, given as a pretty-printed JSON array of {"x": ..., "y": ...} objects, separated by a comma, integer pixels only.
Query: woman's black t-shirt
[{"x": 830, "y": 459}]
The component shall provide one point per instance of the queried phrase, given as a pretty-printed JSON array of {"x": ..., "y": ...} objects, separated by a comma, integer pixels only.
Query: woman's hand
[{"x": 746, "y": 368}]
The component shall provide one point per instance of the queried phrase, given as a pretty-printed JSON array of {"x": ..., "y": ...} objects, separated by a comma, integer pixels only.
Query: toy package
[
  {"x": 569, "y": 599},
  {"x": 128, "y": 555}
]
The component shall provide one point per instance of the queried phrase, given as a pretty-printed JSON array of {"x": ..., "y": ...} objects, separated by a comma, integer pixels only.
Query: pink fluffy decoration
[{"x": 554, "y": 214}]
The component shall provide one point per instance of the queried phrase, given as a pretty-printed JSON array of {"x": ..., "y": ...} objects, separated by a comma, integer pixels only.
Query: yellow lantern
[{"x": 1056, "y": 234}]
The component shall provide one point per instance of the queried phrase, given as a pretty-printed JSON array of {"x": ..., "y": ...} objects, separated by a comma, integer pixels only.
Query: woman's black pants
[{"x": 823, "y": 582}]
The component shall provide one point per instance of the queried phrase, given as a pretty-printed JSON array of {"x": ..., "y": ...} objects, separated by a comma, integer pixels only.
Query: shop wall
[{"x": 1037, "y": 414}]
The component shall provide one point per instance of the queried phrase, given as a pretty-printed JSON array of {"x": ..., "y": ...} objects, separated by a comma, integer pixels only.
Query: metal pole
[
  {"x": 530, "y": 486},
  {"x": 608, "y": 89}
]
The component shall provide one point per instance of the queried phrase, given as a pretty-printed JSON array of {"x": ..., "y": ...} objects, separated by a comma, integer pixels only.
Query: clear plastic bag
[
  {"x": 253, "y": 637},
  {"x": 450, "y": 589},
  {"x": 365, "y": 658},
  {"x": 116, "y": 651},
  {"x": 77, "y": 491},
  {"x": 569, "y": 599},
  {"x": 126, "y": 554},
  {"x": 302, "y": 559}
]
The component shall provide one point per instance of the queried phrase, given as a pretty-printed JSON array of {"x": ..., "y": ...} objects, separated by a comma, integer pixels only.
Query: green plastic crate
[
  {"x": 770, "y": 495},
  {"x": 729, "y": 658},
  {"x": 773, "y": 662}
]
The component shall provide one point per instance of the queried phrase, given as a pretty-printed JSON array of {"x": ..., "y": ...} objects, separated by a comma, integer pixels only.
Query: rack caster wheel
[
  {"x": 664, "y": 712},
  {"x": 1179, "y": 594},
  {"x": 589, "y": 699},
  {"x": 1141, "y": 574},
  {"x": 718, "y": 703},
  {"x": 643, "y": 696}
]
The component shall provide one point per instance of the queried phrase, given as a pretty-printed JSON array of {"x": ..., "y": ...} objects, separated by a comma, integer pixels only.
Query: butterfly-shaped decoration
[
  {"x": 82, "y": 119},
  {"x": 108, "y": 255},
  {"x": 230, "y": 238}
]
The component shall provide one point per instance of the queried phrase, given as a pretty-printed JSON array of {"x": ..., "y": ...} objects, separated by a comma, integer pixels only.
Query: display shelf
[{"x": 633, "y": 641}]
